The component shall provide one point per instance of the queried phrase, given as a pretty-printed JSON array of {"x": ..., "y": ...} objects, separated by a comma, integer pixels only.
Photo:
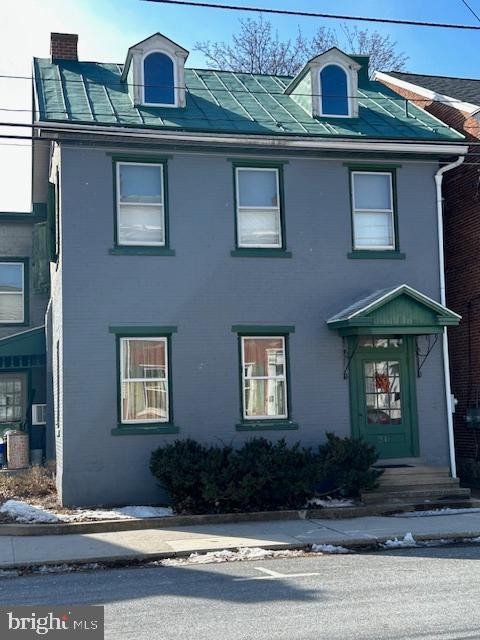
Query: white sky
[{"x": 25, "y": 28}]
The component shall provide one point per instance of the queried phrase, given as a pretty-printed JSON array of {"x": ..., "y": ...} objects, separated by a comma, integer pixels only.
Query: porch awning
[
  {"x": 25, "y": 343},
  {"x": 396, "y": 310}
]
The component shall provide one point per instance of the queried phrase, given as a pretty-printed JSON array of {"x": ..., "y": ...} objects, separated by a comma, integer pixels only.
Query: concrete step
[
  {"x": 403, "y": 481},
  {"x": 415, "y": 495},
  {"x": 419, "y": 470},
  {"x": 407, "y": 488}
]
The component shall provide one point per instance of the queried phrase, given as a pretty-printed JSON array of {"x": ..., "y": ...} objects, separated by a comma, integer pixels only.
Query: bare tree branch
[{"x": 257, "y": 48}]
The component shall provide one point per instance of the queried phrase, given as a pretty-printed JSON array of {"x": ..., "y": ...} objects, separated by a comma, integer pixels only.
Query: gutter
[
  {"x": 441, "y": 258},
  {"x": 445, "y": 147}
]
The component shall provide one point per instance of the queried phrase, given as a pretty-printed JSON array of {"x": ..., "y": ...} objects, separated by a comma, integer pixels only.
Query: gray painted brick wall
[{"x": 204, "y": 291}]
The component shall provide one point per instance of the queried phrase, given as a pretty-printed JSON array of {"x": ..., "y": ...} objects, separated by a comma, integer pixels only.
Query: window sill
[
  {"x": 367, "y": 254},
  {"x": 141, "y": 251},
  {"x": 144, "y": 429},
  {"x": 267, "y": 425},
  {"x": 260, "y": 253}
]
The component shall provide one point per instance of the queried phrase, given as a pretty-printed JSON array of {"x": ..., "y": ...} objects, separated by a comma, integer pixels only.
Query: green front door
[{"x": 382, "y": 388}]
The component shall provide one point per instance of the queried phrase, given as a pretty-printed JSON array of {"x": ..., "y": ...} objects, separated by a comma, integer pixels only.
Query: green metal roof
[{"x": 224, "y": 102}]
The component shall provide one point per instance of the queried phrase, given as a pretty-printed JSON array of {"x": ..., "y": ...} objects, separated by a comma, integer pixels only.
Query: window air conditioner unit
[{"x": 39, "y": 413}]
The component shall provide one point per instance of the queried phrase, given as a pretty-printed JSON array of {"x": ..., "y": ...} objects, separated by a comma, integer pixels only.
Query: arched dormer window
[
  {"x": 158, "y": 79},
  {"x": 334, "y": 91}
]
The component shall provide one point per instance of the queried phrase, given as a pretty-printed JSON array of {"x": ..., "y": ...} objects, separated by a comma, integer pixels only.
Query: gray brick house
[{"x": 238, "y": 255}]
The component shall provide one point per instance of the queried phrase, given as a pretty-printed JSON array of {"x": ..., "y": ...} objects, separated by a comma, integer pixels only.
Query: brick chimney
[{"x": 63, "y": 46}]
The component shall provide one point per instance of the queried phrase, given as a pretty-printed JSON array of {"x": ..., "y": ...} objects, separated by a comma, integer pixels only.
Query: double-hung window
[
  {"x": 258, "y": 211},
  {"x": 264, "y": 378},
  {"x": 144, "y": 380},
  {"x": 373, "y": 210},
  {"x": 141, "y": 204},
  {"x": 12, "y": 292}
]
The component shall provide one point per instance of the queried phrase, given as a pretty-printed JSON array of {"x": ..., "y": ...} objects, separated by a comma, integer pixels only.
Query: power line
[
  {"x": 312, "y": 14},
  {"x": 471, "y": 10}
]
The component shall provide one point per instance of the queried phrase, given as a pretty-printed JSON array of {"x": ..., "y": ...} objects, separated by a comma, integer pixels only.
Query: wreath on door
[{"x": 382, "y": 382}]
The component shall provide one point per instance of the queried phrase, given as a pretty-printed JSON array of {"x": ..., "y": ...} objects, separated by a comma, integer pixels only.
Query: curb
[
  {"x": 355, "y": 544},
  {"x": 136, "y": 524}
]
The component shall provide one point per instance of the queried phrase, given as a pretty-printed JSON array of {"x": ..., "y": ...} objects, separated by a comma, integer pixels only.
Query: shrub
[
  {"x": 261, "y": 475},
  {"x": 469, "y": 472},
  {"x": 346, "y": 464}
]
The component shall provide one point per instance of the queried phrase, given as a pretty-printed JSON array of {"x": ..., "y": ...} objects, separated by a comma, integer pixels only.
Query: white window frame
[
  {"x": 283, "y": 377},
  {"x": 175, "y": 81},
  {"x": 391, "y": 211},
  {"x": 350, "y": 91},
  {"x": 123, "y": 243},
  {"x": 239, "y": 209},
  {"x": 15, "y": 293},
  {"x": 123, "y": 380}
]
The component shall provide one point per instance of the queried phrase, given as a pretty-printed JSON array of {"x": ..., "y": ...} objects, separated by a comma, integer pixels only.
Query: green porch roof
[
  {"x": 224, "y": 102},
  {"x": 396, "y": 310},
  {"x": 25, "y": 343}
]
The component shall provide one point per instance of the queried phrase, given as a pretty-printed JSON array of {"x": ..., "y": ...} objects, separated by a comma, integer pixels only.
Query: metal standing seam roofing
[{"x": 223, "y": 102}]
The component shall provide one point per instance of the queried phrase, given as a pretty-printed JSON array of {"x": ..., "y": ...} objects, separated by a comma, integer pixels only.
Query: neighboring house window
[
  {"x": 158, "y": 79},
  {"x": 373, "y": 212},
  {"x": 334, "y": 91},
  {"x": 264, "y": 378},
  {"x": 144, "y": 380},
  {"x": 140, "y": 204},
  {"x": 259, "y": 220},
  {"x": 12, "y": 292}
]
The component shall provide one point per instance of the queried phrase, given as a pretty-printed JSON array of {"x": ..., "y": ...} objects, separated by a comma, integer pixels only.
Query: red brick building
[{"x": 456, "y": 101}]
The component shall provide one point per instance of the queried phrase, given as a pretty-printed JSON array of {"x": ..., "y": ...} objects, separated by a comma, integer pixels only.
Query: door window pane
[
  {"x": 141, "y": 215},
  {"x": 258, "y": 208},
  {"x": 382, "y": 392},
  {"x": 264, "y": 378},
  {"x": 372, "y": 200},
  {"x": 144, "y": 380},
  {"x": 11, "y": 292}
]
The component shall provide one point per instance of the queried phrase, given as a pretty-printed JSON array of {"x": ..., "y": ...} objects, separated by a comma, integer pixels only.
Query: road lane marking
[{"x": 274, "y": 575}]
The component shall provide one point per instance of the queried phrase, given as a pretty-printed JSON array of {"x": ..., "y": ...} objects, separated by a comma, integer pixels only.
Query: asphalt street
[{"x": 424, "y": 594}]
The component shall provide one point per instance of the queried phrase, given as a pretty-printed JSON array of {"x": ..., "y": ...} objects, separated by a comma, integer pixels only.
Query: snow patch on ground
[
  {"x": 435, "y": 512},
  {"x": 408, "y": 541},
  {"x": 24, "y": 512},
  {"x": 329, "y": 548},
  {"x": 121, "y": 513},
  {"x": 226, "y": 555},
  {"x": 334, "y": 503}
]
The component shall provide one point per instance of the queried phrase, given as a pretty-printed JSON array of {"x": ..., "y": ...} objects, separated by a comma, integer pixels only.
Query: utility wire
[
  {"x": 471, "y": 10},
  {"x": 312, "y": 14}
]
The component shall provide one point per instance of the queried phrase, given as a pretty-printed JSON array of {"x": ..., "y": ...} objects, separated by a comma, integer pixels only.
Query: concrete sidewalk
[{"x": 24, "y": 551}]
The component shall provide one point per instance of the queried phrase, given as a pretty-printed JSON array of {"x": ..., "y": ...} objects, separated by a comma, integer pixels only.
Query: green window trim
[
  {"x": 143, "y": 428},
  {"x": 243, "y": 251},
  {"x": 265, "y": 424},
  {"x": 128, "y": 249},
  {"x": 26, "y": 290},
  {"x": 132, "y": 250},
  {"x": 263, "y": 329},
  {"x": 132, "y": 331},
  {"x": 260, "y": 253},
  {"x": 371, "y": 253}
]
